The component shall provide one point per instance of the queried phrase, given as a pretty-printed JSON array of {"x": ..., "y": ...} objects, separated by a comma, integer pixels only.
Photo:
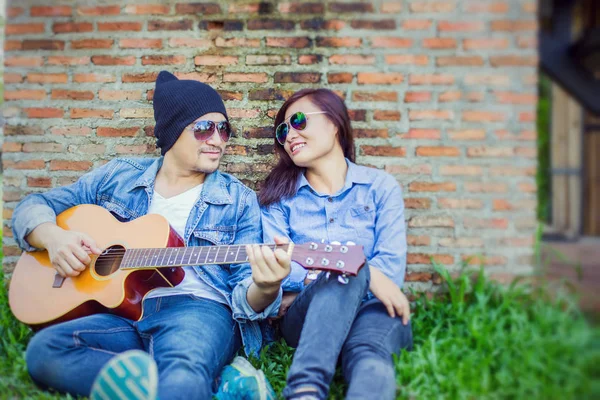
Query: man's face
[{"x": 195, "y": 155}]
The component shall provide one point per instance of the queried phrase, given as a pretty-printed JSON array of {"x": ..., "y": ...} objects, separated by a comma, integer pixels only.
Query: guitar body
[{"x": 38, "y": 300}]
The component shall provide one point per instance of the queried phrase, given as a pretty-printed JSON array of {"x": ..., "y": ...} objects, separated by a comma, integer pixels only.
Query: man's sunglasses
[
  {"x": 297, "y": 121},
  {"x": 203, "y": 130}
]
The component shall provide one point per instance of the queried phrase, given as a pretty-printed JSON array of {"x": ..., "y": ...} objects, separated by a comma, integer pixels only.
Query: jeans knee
[
  {"x": 41, "y": 364},
  {"x": 185, "y": 381}
]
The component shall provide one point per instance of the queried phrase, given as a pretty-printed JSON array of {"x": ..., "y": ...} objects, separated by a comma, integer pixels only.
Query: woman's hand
[{"x": 390, "y": 295}]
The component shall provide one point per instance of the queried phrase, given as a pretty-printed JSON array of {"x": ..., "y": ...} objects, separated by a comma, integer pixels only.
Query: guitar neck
[{"x": 187, "y": 256}]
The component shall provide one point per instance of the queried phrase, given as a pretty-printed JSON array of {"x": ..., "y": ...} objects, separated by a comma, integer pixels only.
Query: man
[{"x": 193, "y": 329}]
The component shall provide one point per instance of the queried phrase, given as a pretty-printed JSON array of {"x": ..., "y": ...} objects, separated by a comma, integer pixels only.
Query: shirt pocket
[
  {"x": 119, "y": 211},
  {"x": 215, "y": 235},
  {"x": 362, "y": 220}
]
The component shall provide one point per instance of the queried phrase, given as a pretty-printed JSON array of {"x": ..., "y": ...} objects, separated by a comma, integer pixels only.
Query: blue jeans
[
  {"x": 329, "y": 320},
  {"x": 190, "y": 339}
]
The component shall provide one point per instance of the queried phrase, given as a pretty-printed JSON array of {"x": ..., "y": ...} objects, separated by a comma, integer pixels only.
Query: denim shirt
[
  {"x": 226, "y": 212},
  {"x": 368, "y": 210}
]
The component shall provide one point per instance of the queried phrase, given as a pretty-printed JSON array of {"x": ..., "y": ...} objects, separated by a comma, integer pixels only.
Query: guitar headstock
[{"x": 343, "y": 259}]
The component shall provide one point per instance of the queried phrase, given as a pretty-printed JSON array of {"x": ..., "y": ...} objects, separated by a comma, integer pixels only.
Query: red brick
[
  {"x": 366, "y": 78},
  {"x": 32, "y": 147},
  {"x": 512, "y": 60},
  {"x": 41, "y": 44},
  {"x": 56, "y": 11},
  {"x": 91, "y": 113},
  {"x": 416, "y": 24},
  {"x": 509, "y": 170},
  {"x": 413, "y": 240},
  {"x": 46, "y": 78},
  {"x": 92, "y": 44},
  {"x": 11, "y": 147},
  {"x": 527, "y": 42},
  {"x": 466, "y": 61},
  {"x": 487, "y": 187},
  {"x": 417, "y": 115},
  {"x": 63, "y": 60},
  {"x": 467, "y": 134},
  {"x": 27, "y": 130},
  {"x": 197, "y": 76},
  {"x": 418, "y": 133},
  {"x": 136, "y": 113},
  {"x": 417, "y": 203},
  {"x": 215, "y": 60},
  {"x": 419, "y": 169},
  {"x": 391, "y": 7},
  {"x": 419, "y": 258},
  {"x": 143, "y": 77},
  {"x": 461, "y": 170},
  {"x": 13, "y": 12},
  {"x": 353, "y": 7},
  {"x": 29, "y": 164},
  {"x": 483, "y": 116},
  {"x": 24, "y": 94},
  {"x": 190, "y": 42},
  {"x": 526, "y": 152},
  {"x": 370, "y": 133},
  {"x": 12, "y": 45},
  {"x": 63, "y": 94},
  {"x": 177, "y": 25},
  {"x": 71, "y": 131},
  {"x": 110, "y": 60},
  {"x": 417, "y": 97},
  {"x": 88, "y": 149},
  {"x": 374, "y": 96},
  {"x": 379, "y": 25},
  {"x": 492, "y": 80},
  {"x": 431, "y": 79},
  {"x": 39, "y": 182},
  {"x": 406, "y": 59},
  {"x": 106, "y": 131},
  {"x": 140, "y": 43},
  {"x": 145, "y": 9},
  {"x": 391, "y": 42},
  {"x": 461, "y": 242},
  {"x": 307, "y": 59},
  {"x": 198, "y": 8},
  {"x": 243, "y": 113},
  {"x": 64, "y": 165},
  {"x": 432, "y": 7},
  {"x": 23, "y": 61},
  {"x": 423, "y": 221},
  {"x": 298, "y": 8},
  {"x": 462, "y": 203},
  {"x": 119, "y": 26},
  {"x": 488, "y": 151},
  {"x": 352, "y": 59},
  {"x": 386, "y": 115},
  {"x": 485, "y": 43},
  {"x": 268, "y": 59},
  {"x": 496, "y": 7},
  {"x": 339, "y": 42},
  {"x": 72, "y": 27},
  {"x": 102, "y": 78},
  {"x": 10, "y": 77},
  {"x": 44, "y": 112},
  {"x": 100, "y": 10},
  {"x": 524, "y": 135},
  {"x": 242, "y": 77},
  {"x": 460, "y": 26},
  {"x": 516, "y": 98},
  {"x": 437, "y": 151},
  {"x": 439, "y": 43},
  {"x": 527, "y": 116},
  {"x": 323, "y": 25},
  {"x": 486, "y": 223},
  {"x": 134, "y": 149},
  {"x": 432, "y": 187},
  {"x": 21, "y": 29},
  {"x": 270, "y": 24},
  {"x": 117, "y": 95},
  {"x": 293, "y": 42},
  {"x": 297, "y": 77},
  {"x": 512, "y": 25},
  {"x": 383, "y": 151},
  {"x": 269, "y": 94},
  {"x": 245, "y": 42}
]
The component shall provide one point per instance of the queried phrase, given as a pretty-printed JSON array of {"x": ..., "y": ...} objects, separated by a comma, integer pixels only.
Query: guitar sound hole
[{"x": 109, "y": 261}]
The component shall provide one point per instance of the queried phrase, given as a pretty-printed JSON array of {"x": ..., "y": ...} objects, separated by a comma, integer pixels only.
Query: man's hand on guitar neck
[
  {"x": 268, "y": 270},
  {"x": 68, "y": 250}
]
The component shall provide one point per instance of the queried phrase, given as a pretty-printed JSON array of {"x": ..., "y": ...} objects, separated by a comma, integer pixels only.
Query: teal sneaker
[
  {"x": 241, "y": 381},
  {"x": 131, "y": 375}
]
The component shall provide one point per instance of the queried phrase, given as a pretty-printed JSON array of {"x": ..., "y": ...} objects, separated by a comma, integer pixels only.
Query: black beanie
[{"x": 178, "y": 103}]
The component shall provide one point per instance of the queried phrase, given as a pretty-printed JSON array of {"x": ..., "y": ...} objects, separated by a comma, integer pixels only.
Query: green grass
[{"x": 478, "y": 341}]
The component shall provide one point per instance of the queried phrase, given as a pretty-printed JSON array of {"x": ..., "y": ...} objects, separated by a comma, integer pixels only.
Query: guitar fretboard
[{"x": 185, "y": 256}]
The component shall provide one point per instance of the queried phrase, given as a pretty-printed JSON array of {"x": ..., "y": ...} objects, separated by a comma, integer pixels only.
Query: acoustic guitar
[{"x": 138, "y": 256}]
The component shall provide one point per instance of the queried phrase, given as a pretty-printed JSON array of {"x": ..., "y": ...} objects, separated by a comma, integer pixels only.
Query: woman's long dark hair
[{"x": 281, "y": 182}]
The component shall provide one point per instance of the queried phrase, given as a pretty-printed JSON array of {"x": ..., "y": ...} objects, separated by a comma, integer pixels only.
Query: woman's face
[{"x": 315, "y": 141}]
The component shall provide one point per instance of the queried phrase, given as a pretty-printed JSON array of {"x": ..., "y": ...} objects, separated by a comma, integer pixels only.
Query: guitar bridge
[{"x": 58, "y": 281}]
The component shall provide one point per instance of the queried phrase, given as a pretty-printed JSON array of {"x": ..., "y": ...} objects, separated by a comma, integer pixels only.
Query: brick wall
[{"x": 442, "y": 95}]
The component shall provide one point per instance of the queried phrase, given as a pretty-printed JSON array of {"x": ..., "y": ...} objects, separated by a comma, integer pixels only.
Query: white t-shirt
[{"x": 177, "y": 210}]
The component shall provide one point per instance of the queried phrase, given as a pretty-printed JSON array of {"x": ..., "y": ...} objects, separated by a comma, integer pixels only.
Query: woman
[{"x": 317, "y": 194}]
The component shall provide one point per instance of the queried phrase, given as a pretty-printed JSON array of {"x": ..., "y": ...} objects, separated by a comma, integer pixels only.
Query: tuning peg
[
  {"x": 350, "y": 243},
  {"x": 328, "y": 275},
  {"x": 343, "y": 279}
]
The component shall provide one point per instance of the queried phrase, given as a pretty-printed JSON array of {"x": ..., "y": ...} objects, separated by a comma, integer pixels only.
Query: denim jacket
[{"x": 227, "y": 212}]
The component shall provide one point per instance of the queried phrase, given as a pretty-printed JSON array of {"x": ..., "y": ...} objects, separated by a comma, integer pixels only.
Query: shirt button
[
  {"x": 367, "y": 208},
  {"x": 329, "y": 199},
  {"x": 331, "y": 220}
]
